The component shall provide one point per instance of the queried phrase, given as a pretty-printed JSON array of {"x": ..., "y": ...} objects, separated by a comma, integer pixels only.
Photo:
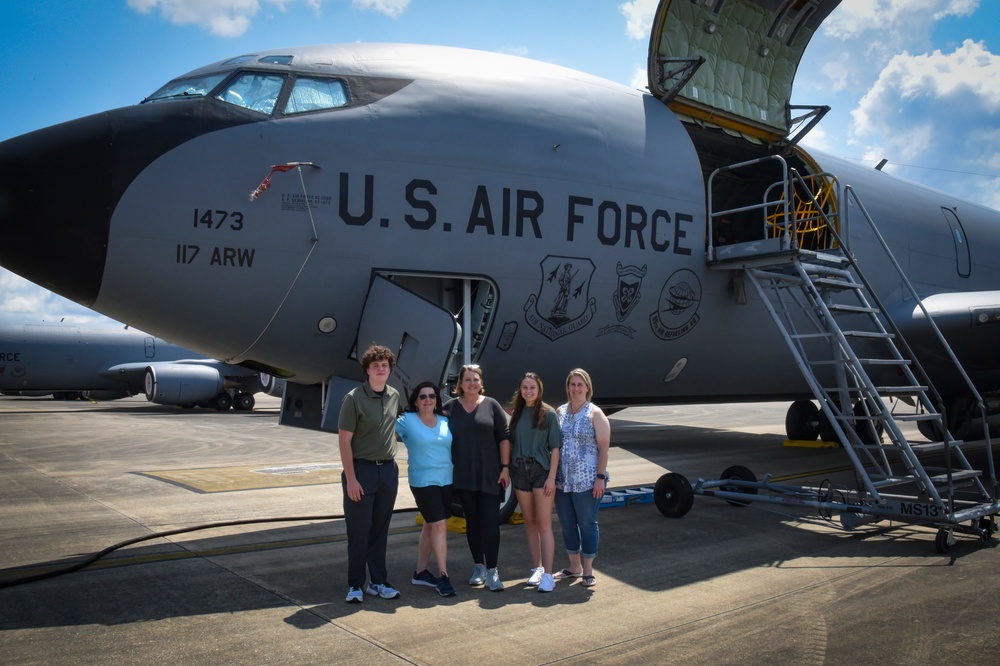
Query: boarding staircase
[{"x": 855, "y": 360}]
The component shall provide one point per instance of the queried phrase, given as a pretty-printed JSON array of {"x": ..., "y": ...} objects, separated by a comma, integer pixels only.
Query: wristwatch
[
  {"x": 504, "y": 465},
  {"x": 601, "y": 477}
]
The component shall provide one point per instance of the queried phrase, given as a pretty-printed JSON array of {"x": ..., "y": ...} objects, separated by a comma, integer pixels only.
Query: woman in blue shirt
[{"x": 424, "y": 430}]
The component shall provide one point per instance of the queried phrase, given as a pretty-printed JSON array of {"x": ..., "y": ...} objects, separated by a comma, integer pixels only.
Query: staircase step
[
  {"x": 934, "y": 447},
  {"x": 869, "y": 334},
  {"x": 852, "y": 309},
  {"x": 830, "y": 283},
  {"x": 956, "y": 476},
  {"x": 807, "y": 336},
  {"x": 901, "y": 390},
  {"x": 926, "y": 416},
  {"x": 886, "y": 361}
]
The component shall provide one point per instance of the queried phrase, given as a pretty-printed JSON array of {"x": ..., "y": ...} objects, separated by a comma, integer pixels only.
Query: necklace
[{"x": 573, "y": 412}]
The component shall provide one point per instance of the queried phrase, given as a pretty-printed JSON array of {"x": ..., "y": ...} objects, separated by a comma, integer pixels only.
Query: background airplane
[{"x": 106, "y": 364}]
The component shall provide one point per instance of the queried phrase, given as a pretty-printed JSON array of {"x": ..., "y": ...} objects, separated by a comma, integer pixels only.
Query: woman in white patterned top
[{"x": 582, "y": 478}]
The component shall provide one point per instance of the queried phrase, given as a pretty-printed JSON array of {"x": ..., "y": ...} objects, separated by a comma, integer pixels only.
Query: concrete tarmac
[{"x": 723, "y": 585}]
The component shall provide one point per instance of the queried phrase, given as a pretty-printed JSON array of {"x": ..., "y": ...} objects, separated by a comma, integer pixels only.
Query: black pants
[
  {"x": 482, "y": 525},
  {"x": 367, "y": 521}
]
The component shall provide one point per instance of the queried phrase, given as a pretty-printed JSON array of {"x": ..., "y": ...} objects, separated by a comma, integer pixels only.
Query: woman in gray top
[{"x": 481, "y": 455}]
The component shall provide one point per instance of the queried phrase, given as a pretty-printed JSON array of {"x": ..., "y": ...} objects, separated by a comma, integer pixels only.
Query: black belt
[{"x": 374, "y": 462}]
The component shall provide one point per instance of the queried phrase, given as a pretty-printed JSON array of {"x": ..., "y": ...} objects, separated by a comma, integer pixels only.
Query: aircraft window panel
[
  {"x": 963, "y": 256},
  {"x": 277, "y": 59},
  {"x": 253, "y": 90},
  {"x": 197, "y": 86},
  {"x": 239, "y": 60},
  {"x": 314, "y": 94}
]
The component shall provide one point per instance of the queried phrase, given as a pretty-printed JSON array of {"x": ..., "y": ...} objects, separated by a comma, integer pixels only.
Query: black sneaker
[
  {"x": 425, "y": 578},
  {"x": 444, "y": 587}
]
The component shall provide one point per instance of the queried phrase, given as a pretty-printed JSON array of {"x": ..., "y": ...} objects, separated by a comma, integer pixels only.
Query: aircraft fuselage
[{"x": 578, "y": 204}]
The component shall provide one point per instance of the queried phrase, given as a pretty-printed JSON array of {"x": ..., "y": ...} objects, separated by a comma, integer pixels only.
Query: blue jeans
[{"x": 578, "y": 516}]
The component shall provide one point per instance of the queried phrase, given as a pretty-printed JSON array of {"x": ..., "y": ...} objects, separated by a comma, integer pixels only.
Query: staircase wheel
[
  {"x": 943, "y": 541},
  {"x": 743, "y": 474},
  {"x": 673, "y": 495}
]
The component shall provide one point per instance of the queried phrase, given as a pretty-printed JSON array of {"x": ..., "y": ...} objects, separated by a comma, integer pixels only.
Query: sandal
[
  {"x": 589, "y": 581},
  {"x": 566, "y": 573}
]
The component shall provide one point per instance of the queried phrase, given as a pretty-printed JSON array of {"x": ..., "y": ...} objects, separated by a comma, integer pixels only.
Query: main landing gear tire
[
  {"x": 244, "y": 402},
  {"x": 802, "y": 421},
  {"x": 673, "y": 495},
  {"x": 740, "y": 473},
  {"x": 221, "y": 402}
]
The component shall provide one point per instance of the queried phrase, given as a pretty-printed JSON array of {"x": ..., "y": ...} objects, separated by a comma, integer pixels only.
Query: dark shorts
[
  {"x": 434, "y": 502},
  {"x": 527, "y": 474}
]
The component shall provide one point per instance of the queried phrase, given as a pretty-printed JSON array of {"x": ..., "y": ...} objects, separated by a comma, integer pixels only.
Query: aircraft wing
[{"x": 731, "y": 63}]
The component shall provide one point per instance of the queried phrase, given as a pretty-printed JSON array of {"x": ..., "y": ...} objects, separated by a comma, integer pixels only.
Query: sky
[{"x": 916, "y": 82}]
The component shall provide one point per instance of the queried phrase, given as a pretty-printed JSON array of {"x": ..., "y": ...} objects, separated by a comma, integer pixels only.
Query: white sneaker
[
  {"x": 493, "y": 579},
  {"x": 536, "y": 576},
  {"x": 355, "y": 595},
  {"x": 547, "y": 584},
  {"x": 478, "y": 575},
  {"x": 383, "y": 590}
]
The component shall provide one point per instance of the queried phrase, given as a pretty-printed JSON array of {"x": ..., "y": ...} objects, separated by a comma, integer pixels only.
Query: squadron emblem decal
[
  {"x": 677, "y": 309},
  {"x": 627, "y": 295},
  {"x": 563, "y": 304}
]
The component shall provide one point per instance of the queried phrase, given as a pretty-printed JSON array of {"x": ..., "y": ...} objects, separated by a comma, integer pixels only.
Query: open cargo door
[
  {"x": 731, "y": 63},
  {"x": 423, "y": 335}
]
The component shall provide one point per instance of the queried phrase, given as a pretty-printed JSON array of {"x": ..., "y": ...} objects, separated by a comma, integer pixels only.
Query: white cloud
[
  {"x": 945, "y": 85},
  {"x": 640, "y": 80},
  {"x": 232, "y": 18},
  {"x": 639, "y": 17},
  {"x": 893, "y": 22},
  {"x": 514, "y": 50},
  {"x": 22, "y": 302},
  {"x": 391, "y": 8}
]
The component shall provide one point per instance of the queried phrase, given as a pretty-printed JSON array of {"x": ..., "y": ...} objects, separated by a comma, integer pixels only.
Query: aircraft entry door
[{"x": 425, "y": 335}]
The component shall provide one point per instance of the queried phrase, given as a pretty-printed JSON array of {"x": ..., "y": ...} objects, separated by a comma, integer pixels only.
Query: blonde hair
[{"x": 582, "y": 374}]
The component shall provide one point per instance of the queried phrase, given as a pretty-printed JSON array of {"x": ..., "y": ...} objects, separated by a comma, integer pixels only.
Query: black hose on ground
[{"x": 90, "y": 559}]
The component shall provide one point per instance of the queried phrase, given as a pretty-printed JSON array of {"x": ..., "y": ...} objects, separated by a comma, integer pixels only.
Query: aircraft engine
[
  {"x": 175, "y": 384},
  {"x": 271, "y": 385}
]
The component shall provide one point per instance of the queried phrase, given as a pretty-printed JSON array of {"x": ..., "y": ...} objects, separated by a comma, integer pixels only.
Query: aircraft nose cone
[{"x": 55, "y": 205}]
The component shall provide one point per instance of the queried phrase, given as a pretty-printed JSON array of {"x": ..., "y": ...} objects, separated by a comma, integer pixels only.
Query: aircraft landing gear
[
  {"x": 244, "y": 402},
  {"x": 221, "y": 402},
  {"x": 802, "y": 421}
]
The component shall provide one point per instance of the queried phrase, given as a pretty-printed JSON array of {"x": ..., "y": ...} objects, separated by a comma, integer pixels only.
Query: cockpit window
[
  {"x": 277, "y": 59},
  {"x": 313, "y": 94},
  {"x": 198, "y": 86},
  {"x": 253, "y": 90},
  {"x": 239, "y": 60}
]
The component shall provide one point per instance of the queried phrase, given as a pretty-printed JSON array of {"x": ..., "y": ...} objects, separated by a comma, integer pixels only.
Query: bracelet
[
  {"x": 504, "y": 465},
  {"x": 551, "y": 478}
]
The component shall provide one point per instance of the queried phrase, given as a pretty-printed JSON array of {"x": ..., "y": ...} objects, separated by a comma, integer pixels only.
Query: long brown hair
[{"x": 518, "y": 404}]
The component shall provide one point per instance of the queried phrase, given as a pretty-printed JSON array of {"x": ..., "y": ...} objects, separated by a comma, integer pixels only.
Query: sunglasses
[{"x": 426, "y": 396}]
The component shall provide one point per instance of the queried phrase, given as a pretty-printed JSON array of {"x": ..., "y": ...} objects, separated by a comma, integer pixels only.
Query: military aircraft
[
  {"x": 282, "y": 209},
  {"x": 71, "y": 362}
]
